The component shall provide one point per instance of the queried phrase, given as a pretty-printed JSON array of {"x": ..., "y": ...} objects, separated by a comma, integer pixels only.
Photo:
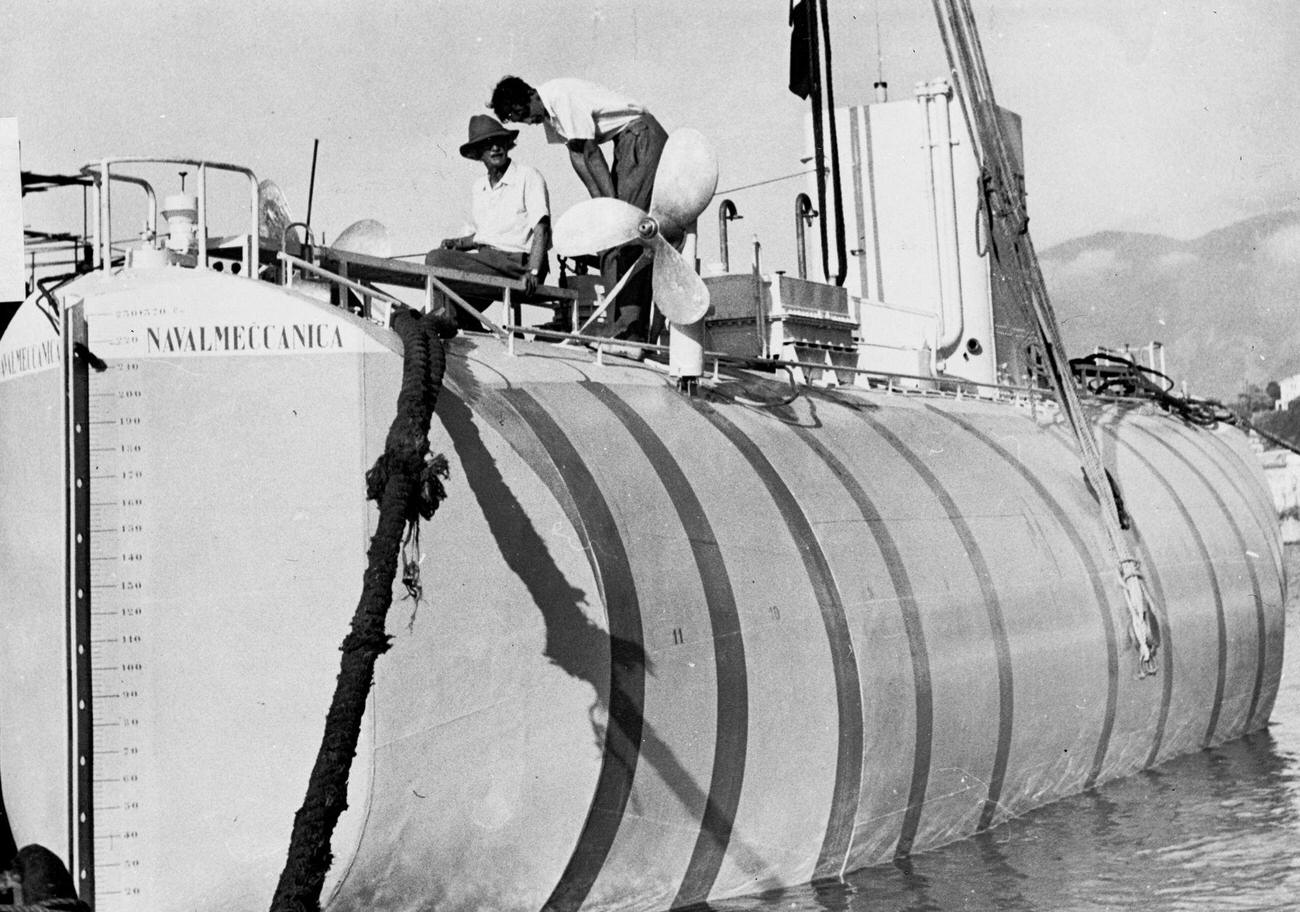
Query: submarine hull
[{"x": 671, "y": 648}]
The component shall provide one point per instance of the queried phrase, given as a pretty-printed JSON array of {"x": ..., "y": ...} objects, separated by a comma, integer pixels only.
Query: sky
[{"x": 1171, "y": 117}]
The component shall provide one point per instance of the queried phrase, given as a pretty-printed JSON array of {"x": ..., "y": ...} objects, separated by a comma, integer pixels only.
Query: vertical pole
[
  {"x": 253, "y": 252},
  {"x": 203, "y": 215},
  {"x": 837, "y": 189},
  {"x": 760, "y": 320},
  {"x": 85, "y": 226},
  {"x": 103, "y": 235},
  {"x": 311, "y": 185}
]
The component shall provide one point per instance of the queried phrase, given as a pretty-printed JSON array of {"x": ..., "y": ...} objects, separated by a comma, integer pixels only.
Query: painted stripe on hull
[
  {"x": 732, "y": 732},
  {"x": 1166, "y": 650},
  {"x": 1094, "y": 577},
  {"x": 627, "y": 660},
  {"x": 1260, "y": 623},
  {"x": 1166, "y": 646},
  {"x": 1263, "y": 507},
  {"x": 1215, "y": 590},
  {"x": 1266, "y": 517},
  {"x": 911, "y": 623},
  {"x": 1265, "y": 513},
  {"x": 1266, "y": 522},
  {"x": 848, "y": 762},
  {"x": 1002, "y": 647}
]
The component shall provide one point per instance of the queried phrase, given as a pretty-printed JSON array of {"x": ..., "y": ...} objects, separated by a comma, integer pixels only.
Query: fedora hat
[{"x": 481, "y": 129}]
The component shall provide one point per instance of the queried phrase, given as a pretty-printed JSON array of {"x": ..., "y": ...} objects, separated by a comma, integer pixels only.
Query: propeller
[
  {"x": 273, "y": 214},
  {"x": 684, "y": 185},
  {"x": 367, "y": 236},
  {"x": 596, "y": 224}
]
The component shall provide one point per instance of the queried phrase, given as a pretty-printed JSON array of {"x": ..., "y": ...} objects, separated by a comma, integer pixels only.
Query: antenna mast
[{"x": 881, "y": 87}]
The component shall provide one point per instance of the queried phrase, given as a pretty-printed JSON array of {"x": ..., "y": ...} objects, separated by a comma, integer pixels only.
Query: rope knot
[{"x": 431, "y": 492}]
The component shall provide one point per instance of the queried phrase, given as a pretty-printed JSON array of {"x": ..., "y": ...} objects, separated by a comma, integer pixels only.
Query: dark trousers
[
  {"x": 484, "y": 260},
  {"x": 636, "y": 159}
]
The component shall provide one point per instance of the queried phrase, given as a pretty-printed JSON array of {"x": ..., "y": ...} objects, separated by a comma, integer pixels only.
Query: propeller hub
[{"x": 648, "y": 228}]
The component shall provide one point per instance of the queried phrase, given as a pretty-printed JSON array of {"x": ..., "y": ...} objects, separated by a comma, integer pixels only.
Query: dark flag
[{"x": 801, "y": 77}]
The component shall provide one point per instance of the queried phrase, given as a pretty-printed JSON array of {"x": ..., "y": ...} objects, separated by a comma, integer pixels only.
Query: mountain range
[{"x": 1224, "y": 304}]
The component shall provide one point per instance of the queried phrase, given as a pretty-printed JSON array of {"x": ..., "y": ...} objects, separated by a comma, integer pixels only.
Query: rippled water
[{"x": 1219, "y": 829}]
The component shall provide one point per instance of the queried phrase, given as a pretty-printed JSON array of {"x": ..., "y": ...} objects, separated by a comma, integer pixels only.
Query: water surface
[{"x": 1214, "y": 830}]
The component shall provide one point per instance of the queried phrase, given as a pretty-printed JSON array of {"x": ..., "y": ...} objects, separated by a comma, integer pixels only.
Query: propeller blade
[
  {"x": 684, "y": 182},
  {"x": 366, "y": 236},
  {"x": 679, "y": 292},
  {"x": 596, "y": 224},
  {"x": 273, "y": 214}
]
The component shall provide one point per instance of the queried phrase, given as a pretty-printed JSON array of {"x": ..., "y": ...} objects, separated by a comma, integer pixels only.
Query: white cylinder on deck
[{"x": 182, "y": 212}]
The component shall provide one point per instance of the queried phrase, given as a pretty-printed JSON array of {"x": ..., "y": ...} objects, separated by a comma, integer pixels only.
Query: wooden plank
[{"x": 415, "y": 275}]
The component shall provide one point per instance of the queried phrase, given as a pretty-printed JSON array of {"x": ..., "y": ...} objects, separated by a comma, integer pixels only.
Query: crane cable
[{"x": 972, "y": 85}]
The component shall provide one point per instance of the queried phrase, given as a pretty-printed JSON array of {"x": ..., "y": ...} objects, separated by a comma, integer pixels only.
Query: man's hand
[{"x": 530, "y": 283}]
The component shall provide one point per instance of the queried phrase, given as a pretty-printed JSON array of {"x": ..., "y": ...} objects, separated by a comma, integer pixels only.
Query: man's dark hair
[{"x": 510, "y": 94}]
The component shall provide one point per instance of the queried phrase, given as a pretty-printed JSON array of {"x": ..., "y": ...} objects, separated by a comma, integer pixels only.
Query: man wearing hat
[{"x": 511, "y": 211}]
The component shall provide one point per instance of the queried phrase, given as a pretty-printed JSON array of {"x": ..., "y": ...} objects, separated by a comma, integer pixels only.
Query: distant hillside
[{"x": 1226, "y": 305}]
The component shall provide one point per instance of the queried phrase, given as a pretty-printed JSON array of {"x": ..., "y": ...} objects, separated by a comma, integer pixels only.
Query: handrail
[
  {"x": 507, "y": 332},
  {"x": 375, "y": 292},
  {"x": 334, "y": 277},
  {"x": 928, "y": 385},
  {"x": 394, "y": 271},
  {"x": 718, "y": 358}
]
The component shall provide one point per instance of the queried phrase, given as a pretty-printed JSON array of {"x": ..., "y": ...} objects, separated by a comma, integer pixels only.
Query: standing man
[
  {"x": 583, "y": 115},
  {"x": 512, "y": 219}
]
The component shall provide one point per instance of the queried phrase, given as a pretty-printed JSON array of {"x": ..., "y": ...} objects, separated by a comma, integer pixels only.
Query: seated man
[{"x": 511, "y": 210}]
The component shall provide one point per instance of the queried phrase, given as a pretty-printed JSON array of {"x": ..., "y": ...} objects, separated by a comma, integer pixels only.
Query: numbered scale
[{"x": 109, "y": 620}]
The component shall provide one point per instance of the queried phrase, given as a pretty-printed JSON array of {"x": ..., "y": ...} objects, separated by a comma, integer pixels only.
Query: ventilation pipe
[
  {"x": 726, "y": 213},
  {"x": 941, "y": 192},
  {"x": 804, "y": 213}
]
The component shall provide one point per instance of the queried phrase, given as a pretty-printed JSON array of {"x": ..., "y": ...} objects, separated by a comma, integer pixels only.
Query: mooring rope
[
  {"x": 407, "y": 483},
  {"x": 40, "y": 882}
]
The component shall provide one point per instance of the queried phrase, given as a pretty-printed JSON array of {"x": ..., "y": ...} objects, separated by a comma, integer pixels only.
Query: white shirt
[
  {"x": 578, "y": 109},
  {"x": 505, "y": 215}
]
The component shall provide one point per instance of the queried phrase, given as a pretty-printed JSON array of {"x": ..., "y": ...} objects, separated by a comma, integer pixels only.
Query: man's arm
[
  {"x": 590, "y": 166},
  {"x": 537, "y": 255},
  {"x": 464, "y": 242}
]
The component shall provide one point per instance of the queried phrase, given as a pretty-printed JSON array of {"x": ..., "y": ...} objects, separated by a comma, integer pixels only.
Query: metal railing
[{"x": 101, "y": 173}]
